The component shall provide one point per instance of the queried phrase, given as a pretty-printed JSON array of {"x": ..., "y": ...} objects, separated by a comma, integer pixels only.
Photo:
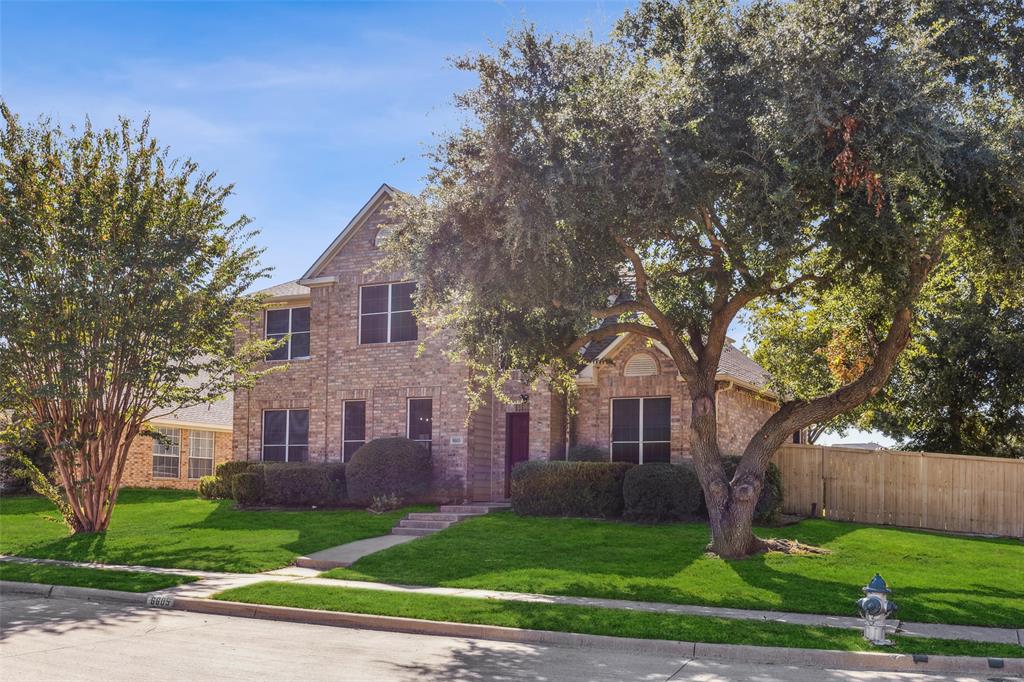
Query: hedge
[
  {"x": 303, "y": 484},
  {"x": 389, "y": 466},
  {"x": 661, "y": 492},
  {"x": 569, "y": 488},
  {"x": 247, "y": 487}
]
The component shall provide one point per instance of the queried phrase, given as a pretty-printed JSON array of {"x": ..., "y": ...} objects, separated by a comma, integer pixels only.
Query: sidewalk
[{"x": 211, "y": 583}]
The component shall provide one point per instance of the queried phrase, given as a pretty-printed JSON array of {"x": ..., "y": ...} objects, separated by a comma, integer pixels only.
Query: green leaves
[{"x": 123, "y": 285}]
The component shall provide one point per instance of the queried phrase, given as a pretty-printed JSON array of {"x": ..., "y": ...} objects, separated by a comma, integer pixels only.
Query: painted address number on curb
[{"x": 161, "y": 600}]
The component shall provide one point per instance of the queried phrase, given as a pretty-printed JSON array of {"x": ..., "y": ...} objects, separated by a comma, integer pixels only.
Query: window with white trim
[
  {"x": 353, "y": 427},
  {"x": 420, "y": 427},
  {"x": 285, "y": 435},
  {"x": 291, "y": 324},
  {"x": 641, "y": 430},
  {"x": 167, "y": 453},
  {"x": 385, "y": 313},
  {"x": 200, "y": 453}
]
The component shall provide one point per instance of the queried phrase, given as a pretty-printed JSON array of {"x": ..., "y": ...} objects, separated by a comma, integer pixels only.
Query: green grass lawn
[
  {"x": 935, "y": 578},
  {"x": 173, "y": 528},
  {"x": 126, "y": 581},
  {"x": 594, "y": 621}
]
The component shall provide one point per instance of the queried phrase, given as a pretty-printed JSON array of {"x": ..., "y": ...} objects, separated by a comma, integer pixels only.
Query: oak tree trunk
[{"x": 730, "y": 504}]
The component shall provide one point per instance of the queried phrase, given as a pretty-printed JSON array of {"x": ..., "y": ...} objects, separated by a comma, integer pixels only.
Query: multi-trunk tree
[
  {"x": 710, "y": 156},
  {"x": 121, "y": 285}
]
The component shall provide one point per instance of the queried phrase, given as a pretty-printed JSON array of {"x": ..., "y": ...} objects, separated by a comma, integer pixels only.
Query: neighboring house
[
  {"x": 354, "y": 374},
  {"x": 199, "y": 438}
]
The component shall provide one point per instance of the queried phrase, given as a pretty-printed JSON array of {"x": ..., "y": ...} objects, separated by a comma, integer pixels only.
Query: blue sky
[{"x": 306, "y": 107}]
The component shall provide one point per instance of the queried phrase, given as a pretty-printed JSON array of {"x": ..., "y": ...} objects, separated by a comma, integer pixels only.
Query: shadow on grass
[{"x": 176, "y": 529}]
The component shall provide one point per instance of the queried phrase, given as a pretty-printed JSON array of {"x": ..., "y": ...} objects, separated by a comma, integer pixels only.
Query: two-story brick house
[{"x": 354, "y": 373}]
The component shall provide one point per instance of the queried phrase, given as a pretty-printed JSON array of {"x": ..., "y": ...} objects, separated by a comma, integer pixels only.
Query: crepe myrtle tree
[
  {"x": 711, "y": 155},
  {"x": 121, "y": 286}
]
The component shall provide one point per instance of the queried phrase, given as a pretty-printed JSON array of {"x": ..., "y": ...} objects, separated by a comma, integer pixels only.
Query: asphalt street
[{"x": 58, "y": 639}]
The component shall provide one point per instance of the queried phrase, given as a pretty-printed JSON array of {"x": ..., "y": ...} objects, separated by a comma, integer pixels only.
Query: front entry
[{"x": 517, "y": 444}]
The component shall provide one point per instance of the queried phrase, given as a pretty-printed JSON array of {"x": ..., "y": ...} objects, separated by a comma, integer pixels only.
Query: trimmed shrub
[
  {"x": 769, "y": 504},
  {"x": 389, "y": 466},
  {"x": 587, "y": 453},
  {"x": 297, "y": 484},
  {"x": 569, "y": 488},
  {"x": 661, "y": 492},
  {"x": 247, "y": 487},
  {"x": 338, "y": 493},
  {"x": 211, "y": 488},
  {"x": 228, "y": 469}
]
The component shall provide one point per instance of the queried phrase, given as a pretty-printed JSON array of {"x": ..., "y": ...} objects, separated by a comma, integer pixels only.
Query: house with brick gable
[{"x": 355, "y": 372}]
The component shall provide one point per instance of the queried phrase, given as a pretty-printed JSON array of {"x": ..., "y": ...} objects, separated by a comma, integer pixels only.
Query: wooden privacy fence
[{"x": 916, "y": 489}]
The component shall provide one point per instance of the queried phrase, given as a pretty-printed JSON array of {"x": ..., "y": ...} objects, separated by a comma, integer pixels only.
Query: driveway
[{"x": 48, "y": 639}]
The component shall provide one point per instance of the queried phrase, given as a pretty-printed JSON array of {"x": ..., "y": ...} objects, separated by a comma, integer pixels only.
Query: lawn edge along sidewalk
[{"x": 729, "y": 652}]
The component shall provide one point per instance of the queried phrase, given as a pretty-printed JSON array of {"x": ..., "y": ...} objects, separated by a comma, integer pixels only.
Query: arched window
[{"x": 641, "y": 365}]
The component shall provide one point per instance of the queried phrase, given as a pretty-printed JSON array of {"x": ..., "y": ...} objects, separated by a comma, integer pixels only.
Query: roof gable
[
  {"x": 734, "y": 364},
  {"x": 384, "y": 193}
]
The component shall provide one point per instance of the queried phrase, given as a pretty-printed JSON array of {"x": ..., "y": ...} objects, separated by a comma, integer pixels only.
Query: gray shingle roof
[
  {"x": 217, "y": 413},
  {"x": 737, "y": 364},
  {"x": 287, "y": 290}
]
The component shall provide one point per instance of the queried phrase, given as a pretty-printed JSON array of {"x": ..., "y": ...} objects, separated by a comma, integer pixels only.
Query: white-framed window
[
  {"x": 353, "y": 427},
  {"x": 385, "y": 313},
  {"x": 641, "y": 430},
  {"x": 285, "y": 435},
  {"x": 291, "y": 324},
  {"x": 420, "y": 425},
  {"x": 200, "y": 453},
  {"x": 167, "y": 455}
]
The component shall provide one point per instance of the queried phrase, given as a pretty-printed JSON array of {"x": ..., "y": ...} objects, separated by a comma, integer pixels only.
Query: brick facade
[
  {"x": 468, "y": 449},
  {"x": 138, "y": 471}
]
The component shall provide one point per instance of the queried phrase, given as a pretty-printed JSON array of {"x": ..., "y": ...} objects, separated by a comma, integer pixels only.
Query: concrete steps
[{"x": 425, "y": 523}]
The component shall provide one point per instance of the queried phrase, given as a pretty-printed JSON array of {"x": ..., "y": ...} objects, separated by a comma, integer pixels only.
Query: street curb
[
  {"x": 739, "y": 653},
  {"x": 822, "y": 658},
  {"x": 69, "y": 592}
]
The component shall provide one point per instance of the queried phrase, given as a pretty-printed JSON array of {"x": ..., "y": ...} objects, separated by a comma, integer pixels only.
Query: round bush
[
  {"x": 587, "y": 453},
  {"x": 247, "y": 487},
  {"x": 210, "y": 488},
  {"x": 389, "y": 466},
  {"x": 661, "y": 492}
]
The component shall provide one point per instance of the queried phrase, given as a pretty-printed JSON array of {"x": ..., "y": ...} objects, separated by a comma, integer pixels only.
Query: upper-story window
[
  {"x": 385, "y": 313},
  {"x": 292, "y": 323}
]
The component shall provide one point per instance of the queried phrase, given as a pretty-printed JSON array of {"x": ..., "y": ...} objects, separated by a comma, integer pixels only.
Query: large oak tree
[
  {"x": 714, "y": 154},
  {"x": 121, "y": 286}
]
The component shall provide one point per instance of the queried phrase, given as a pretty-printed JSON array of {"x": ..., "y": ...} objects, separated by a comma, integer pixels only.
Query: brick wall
[
  {"x": 339, "y": 368},
  {"x": 740, "y": 412},
  {"x": 138, "y": 471}
]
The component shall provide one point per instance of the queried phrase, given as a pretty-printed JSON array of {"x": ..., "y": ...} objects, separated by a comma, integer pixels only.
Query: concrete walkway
[
  {"x": 212, "y": 583},
  {"x": 348, "y": 554}
]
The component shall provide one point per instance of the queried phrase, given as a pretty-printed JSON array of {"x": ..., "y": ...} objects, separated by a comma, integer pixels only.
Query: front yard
[
  {"x": 176, "y": 529},
  {"x": 935, "y": 578}
]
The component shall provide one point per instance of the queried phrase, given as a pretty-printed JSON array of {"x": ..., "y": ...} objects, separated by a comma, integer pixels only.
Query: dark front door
[{"x": 517, "y": 444}]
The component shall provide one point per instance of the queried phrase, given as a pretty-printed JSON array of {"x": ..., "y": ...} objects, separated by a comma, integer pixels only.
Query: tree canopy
[
  {"x": 122, "y": 284},
  {"x": 710, "y": 156}
]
